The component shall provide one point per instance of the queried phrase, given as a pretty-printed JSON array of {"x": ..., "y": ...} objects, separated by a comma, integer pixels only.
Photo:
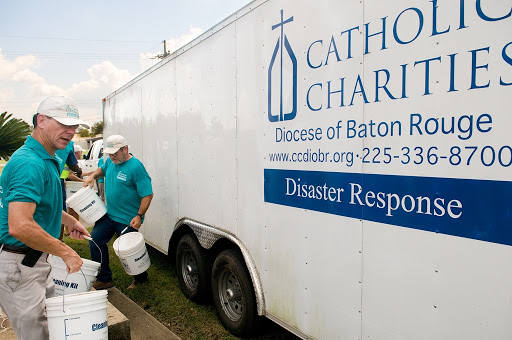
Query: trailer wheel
[
  {"x": 233, "y": 293},
  {"x": 193, "y": 268}
]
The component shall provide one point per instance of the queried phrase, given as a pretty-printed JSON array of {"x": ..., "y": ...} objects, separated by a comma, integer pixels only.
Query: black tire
[
  {"x": 193, "y": 266},
  {"x": 233, "y": 294}
]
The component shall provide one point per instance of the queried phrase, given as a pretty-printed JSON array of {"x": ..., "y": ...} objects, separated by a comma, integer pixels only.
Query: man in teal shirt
[
  {"x": 30, "y": 219},
  {"x": 128, "y": 193}
]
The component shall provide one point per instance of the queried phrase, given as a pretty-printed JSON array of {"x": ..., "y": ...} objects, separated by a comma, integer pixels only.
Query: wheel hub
[
  {"x": 233, "y": 294},
  {"x": 191, "y": 270}
]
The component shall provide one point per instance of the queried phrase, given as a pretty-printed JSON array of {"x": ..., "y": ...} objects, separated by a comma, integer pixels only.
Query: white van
[{"x": 90, "y": 161}]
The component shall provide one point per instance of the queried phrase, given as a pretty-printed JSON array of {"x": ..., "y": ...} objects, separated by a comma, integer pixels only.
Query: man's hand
[
  {"x": 77, "y": 231},
  {"x": 73, "y": 262},
  {"x": 136, "y": 222},
  {"x": 74, "y": 228},
  {"x": 89, "y": 181}
]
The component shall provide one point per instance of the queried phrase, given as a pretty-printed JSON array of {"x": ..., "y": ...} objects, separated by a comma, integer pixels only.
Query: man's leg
[
  {"x": 101, "y": 235},
  {"x": 22, "y": 293},
  {"x": 141, "y": 278}
]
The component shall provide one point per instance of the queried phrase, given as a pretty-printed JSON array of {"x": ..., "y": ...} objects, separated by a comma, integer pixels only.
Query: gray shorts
[{"x": 22, "y": 294}]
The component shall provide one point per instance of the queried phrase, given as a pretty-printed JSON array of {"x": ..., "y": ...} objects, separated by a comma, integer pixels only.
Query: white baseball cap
[
  {"x": 77, "y": 148},
  {"x": 62, "y": 109},
  {"x": 114, "y": 143}
]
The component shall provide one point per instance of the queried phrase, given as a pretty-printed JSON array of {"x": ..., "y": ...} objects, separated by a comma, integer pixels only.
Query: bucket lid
[
  {"x": 77, "y": 298},
  {"x": 128, "y": 243}
]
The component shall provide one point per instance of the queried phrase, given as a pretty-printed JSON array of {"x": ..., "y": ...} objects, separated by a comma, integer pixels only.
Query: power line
[
  {"x": 87, "y": 102},
  {"x": 64, "y": 55},
  {"x": 92, "y": 100},
  {"x": 76, "y": 39}
]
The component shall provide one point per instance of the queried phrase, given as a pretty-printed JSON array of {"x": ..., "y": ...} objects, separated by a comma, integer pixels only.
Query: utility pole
[
  {"x": 165, "y": 48},
  {"x": 165, "y": 54}
]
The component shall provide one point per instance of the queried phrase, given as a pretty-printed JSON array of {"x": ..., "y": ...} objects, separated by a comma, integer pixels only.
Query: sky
[{"x": 87, "y": 49}]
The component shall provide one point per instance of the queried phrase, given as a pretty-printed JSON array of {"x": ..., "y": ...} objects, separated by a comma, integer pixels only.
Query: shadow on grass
[{"x": 162, "y": 298}]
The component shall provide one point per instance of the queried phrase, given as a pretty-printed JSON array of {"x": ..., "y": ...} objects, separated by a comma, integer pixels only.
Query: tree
[
  {"x": 84, "y": 132},
  {"x": 13, "y": 133},
  {"x": 97, "y": 128}
]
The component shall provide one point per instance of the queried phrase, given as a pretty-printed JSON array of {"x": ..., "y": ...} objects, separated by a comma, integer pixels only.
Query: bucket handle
[
  {"x": 121, "y": 234},
  {"x": 101, "y": 254},
  {"x": 64, "y": 290}
]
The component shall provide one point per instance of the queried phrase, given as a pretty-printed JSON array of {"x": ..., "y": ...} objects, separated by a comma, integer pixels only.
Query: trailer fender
[{"x": 208, "y": 235}]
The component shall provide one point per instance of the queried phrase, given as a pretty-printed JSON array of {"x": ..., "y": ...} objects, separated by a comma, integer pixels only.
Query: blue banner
[{"x": 476, "y": 209}]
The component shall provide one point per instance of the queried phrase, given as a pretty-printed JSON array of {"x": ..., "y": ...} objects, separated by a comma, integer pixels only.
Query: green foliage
[
  {"x": 97, "y": 128},
  {"x": 84, "y": 133},
  {"x": 13, "y": 133}
]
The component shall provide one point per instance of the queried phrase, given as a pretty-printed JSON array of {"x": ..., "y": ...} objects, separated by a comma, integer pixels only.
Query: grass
[{"x": 162, "y": 298}]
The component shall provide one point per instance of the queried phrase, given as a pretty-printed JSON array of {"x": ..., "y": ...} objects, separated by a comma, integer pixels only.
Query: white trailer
[{"x": 340, "y": 167}]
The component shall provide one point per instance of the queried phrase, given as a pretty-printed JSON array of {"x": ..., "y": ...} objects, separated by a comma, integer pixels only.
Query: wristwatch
[{"x": 141, "y": 216}]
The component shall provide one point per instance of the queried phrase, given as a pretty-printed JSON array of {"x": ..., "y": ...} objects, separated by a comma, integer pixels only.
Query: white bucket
[
  {"x": 132, "y": 253},
  {"x": 80, "y": 316},
  {"x": 72, "y": 187},
  {"x": 78, "y": 282},
  {"x": 87, "y": 204}
]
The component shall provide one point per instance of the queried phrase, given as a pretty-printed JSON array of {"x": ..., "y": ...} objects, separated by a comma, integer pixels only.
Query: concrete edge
[{"x": 142, "y": 324}]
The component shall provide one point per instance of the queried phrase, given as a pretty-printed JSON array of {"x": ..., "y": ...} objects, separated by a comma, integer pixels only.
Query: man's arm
[
  {"x": 144, "y": 206},
  {"x": 76, "y": 169},
  {"x": 98, "y": 173},
  {"x": 72, "y": 163},
  {"x": 24, "y": 228},
  {"x": 73, "y": 177}
]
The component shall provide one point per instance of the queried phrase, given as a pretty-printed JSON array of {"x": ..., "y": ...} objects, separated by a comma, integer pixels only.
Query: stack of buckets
[
  {"x": 78, "y": 316},
  {"x": 75, "y": 312}
]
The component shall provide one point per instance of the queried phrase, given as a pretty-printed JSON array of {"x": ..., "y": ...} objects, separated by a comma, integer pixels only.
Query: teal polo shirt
[
  {"x": 63, "y": 155},
  {"x": 125, "y": 186},
  {"x": 31, "y": 175}
]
